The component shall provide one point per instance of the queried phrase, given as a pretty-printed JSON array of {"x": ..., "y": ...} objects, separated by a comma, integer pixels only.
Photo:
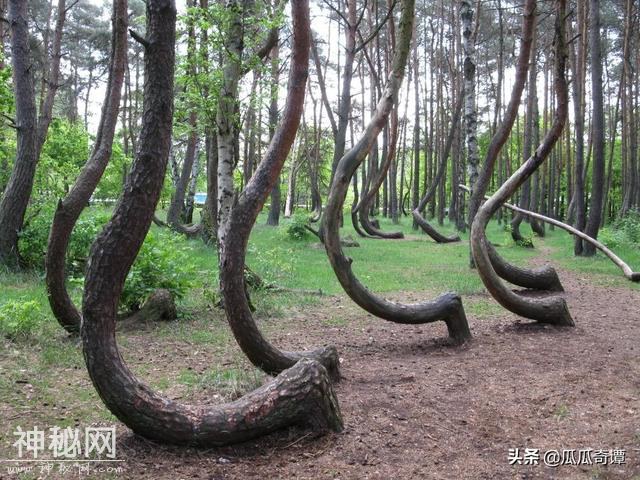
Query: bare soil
[{"x": 417, "y": 408}]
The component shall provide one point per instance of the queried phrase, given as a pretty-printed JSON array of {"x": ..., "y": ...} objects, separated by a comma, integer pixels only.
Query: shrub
[
  {"x": 163, "y": 262},
  {"x": 19, "y": 318},
  {"x": 296, "y": 229},
  {"x": 624, "y": 231},
  {"x": 34, "y": 237}
]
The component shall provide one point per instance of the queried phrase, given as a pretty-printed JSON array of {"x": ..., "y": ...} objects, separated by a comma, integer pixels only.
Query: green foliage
[
  {"x": 33, "y": 239},
  {"x": 163, "y": 262},
  {"x": 272, "y": 264},
  {"x": 623, "y": 232},
  {"x": 112, "y": 180},
  {"x": 296, "y": 229},
  {"x": 63, "y": 155},
  {"x": 19, "y": 318},
  {"x": 7, "y": 134}
]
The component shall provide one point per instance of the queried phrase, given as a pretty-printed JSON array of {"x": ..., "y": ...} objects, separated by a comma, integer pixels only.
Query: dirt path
[{"x": 417, "y": 408}]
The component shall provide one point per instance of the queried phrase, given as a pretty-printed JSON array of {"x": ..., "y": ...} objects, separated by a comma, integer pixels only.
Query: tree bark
[
  {"x": 15, "y": 199},
  {"x": 448, "y": 307},
  {"x": 245, "y": 211},
  {"x": 470, "y": 108},
  {"x": 552, "y": 310},
  {"x": 597, "y": 178},
  {"x": 227, "y": 121},
  {"x": 417, "y": 212},
  {"x": 578, "y": 64},
  {"x": 70, "y": 207},
  {"x": 301, "y": 395},
  {"x": 500, "y": 137},
  {"x": 273, "y": 218}
]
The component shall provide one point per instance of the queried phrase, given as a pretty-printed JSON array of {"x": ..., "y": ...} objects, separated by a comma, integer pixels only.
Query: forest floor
[{"x": 414, "y": 406}]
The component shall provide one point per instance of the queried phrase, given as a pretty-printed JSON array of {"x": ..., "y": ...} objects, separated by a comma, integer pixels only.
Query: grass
[{"x": 47, "y": 367}]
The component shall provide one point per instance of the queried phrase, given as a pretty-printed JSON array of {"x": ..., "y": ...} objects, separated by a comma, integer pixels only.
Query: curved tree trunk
[
  {"x": 442, "y": 166},
  {"x": 626, "y": 269},
  {"x": 543, "y": 278},
  {"x": 447, "y": 307},
  {"x": 501, "y": 136},
  {"x": 301, "y": 395},
  {"x": 244, "y": 213},
  {"x": 70, "y": 208},
  {"x": 364, "y": 206},
  {"x": 552, "y": 310}
]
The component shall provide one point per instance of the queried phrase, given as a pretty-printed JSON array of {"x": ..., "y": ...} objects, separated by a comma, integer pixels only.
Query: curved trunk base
[
  {"x": 431, "y": 231},
  {"x": 374, "y": 229},
  {"x": 543, "y": 278},
  {"x": 356, "y": 225},
  {"x": 301, "y": 395},
  {"x": 537, "y": 227}
]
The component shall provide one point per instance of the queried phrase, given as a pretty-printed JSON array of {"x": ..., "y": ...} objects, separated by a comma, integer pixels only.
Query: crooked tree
[{"x": 300, "y": 395}]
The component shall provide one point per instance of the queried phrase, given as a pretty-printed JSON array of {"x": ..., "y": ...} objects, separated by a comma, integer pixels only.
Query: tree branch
[
  {"x": 139, "y": 38},
  {"x": 375, "y": 31}
]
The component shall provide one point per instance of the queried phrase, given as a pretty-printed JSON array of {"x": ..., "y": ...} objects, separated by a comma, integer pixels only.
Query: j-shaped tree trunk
[
  {"x": 300, "y": 395},
  {"x": 243, "y": 214},
  {"x": 364, "y": 206},
  {"x": 70, "y": 208},
  {"x": 626, "y": 269},
  {"x": 552, "y": 310},
  {"x": 442, "y": 166},
  {"x": 447, "y": 307},
  {"x": 501, "y": 136},
  {"x": 541, "y": 278}
]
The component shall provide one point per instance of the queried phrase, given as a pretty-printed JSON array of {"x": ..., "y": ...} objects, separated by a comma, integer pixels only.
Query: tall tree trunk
[
  {"x": 470, "y": 108},
  {"x": 415, "y": 193},
  {"x": 498, "y": 140},
  {"x": 274, "y": 209},
  {"x": 302, "y": 395},
  {"x": 70, "y": 208},
  {"x": 529, "y": 141},
  {"x": 227, "y": 121},
  {"x": 15, "y": 198},
  {"x": 597, "y": 179},
  {"x": 578, "y": 64},
  {"x": 553, "y": 310},
  {"x": 31, "y": 133},
  {"x": 243, "y": 214},
  {"x": 448, "y": 307}
]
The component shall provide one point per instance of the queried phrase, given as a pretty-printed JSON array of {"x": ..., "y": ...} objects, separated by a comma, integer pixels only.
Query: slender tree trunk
[
  {"x": 470, "y": 109},
  {"x": 15, "y": 198},
  {"x": 274, "y": 209},
  {"x": 578, "y": 65},
  {"x": 70, "y": 208},
  {"x": 597, "y": 179},
  {"x": 415, "y": 195},
  {"x": 227, "y": 121}
]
